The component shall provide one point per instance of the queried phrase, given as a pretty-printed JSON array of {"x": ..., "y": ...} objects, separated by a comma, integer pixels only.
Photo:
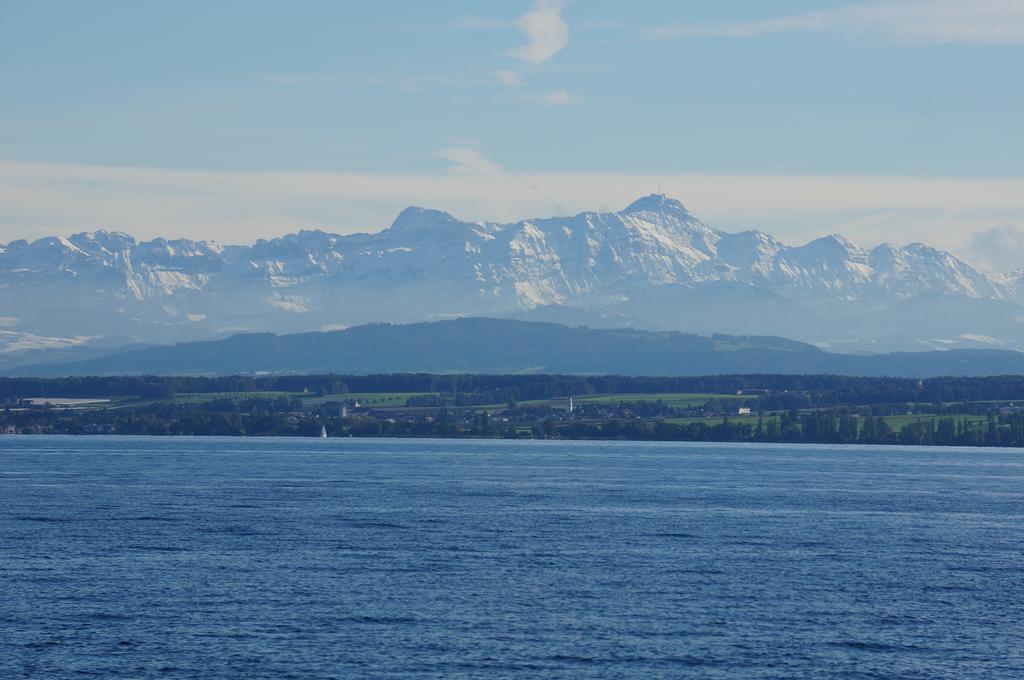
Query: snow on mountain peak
[
  {"x": 834, "y": 243},
  {"x": 430, "y": 264},
  {"x": 413, "y": 218},
  {"x": 103, "y": 236},
  {"x": 656, "y": 203}
]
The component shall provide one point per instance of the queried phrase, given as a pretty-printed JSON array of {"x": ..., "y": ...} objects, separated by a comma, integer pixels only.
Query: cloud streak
[
  {"x": 555, "y": 98},
  {"x": 996, "y": 22},
  {"x": 467, "y": 159},
  {"x": 546, "y": 32},
  {"x": 509, "y": 78}
]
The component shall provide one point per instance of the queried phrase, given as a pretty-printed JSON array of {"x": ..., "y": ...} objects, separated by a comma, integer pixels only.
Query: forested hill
[{"x": 503, "y": 346}]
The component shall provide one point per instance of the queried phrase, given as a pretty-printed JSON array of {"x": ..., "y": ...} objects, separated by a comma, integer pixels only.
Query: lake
[{"x": 185, "y": 557}]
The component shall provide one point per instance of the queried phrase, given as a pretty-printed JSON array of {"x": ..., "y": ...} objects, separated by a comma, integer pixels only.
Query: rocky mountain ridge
[{"x": 429, "y": 265}]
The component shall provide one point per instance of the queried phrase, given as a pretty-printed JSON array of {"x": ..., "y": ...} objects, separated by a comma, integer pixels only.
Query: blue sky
[{"x": 898, "y": 120}]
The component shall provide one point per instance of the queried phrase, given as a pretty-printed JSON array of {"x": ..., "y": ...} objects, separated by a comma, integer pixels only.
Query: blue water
[{"x": 164, "y": 557}]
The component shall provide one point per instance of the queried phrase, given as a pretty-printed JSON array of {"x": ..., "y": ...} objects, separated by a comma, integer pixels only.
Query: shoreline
[{"x": 552, "y": 440}]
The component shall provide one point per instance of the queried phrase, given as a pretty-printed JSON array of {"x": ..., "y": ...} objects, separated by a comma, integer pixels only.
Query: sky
[{"x": 896, "y": 120}]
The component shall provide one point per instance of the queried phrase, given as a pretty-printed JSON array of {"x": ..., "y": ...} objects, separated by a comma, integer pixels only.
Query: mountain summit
[
  {"x": 652, "y": 264},
  {"x": 656, "y": 203}
]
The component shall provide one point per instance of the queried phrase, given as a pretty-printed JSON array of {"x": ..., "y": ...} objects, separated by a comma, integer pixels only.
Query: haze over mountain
[{"x": 652, "y": 265}]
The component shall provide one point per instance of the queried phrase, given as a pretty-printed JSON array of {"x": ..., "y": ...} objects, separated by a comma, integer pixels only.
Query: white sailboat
[{"x": 323, "y": 432}]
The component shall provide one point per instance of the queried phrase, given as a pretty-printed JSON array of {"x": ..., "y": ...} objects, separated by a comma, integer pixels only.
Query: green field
[
  {"x": 378, "y": 399},
  {"x": 375, "y": 399},
  {"x": 673, "y": 399},
  {"x": 204, "y": 397},
  {"x": 895, "y": 422},
  {"x": 715, "y": 420},
  {"x": 398, "y": 399}
]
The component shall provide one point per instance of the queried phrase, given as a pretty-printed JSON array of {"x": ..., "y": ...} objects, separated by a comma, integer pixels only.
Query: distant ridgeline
[{"x": 503, "y": 346}]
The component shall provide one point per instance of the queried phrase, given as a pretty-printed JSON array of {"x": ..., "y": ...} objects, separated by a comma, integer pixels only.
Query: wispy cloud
[
  {"x": 467, "y": 159},
  {"x": 555, "y": 98},
  {"x": 323, "y": 82},
  {"x": 509, "y": 78},
  {"x": 474, "y": 22},
  {"x": 997, "y": 249},
  {"x": 932, "y": 21},
  {"x": 546, "y": 32}
]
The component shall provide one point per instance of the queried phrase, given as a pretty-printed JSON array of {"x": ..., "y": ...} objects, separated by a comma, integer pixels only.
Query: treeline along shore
[{"x": 986, "y": 411}]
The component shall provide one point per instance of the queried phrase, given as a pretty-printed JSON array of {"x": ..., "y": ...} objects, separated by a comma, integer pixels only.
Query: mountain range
[
  {"x": 499, "y": 346},
  {"x": 650, "y": 266}
]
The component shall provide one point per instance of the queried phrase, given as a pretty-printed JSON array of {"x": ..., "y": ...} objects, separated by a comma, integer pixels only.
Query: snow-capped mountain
[
  {"x": 653, "y": 255},
  {"x": 1012, "y": 281}
]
